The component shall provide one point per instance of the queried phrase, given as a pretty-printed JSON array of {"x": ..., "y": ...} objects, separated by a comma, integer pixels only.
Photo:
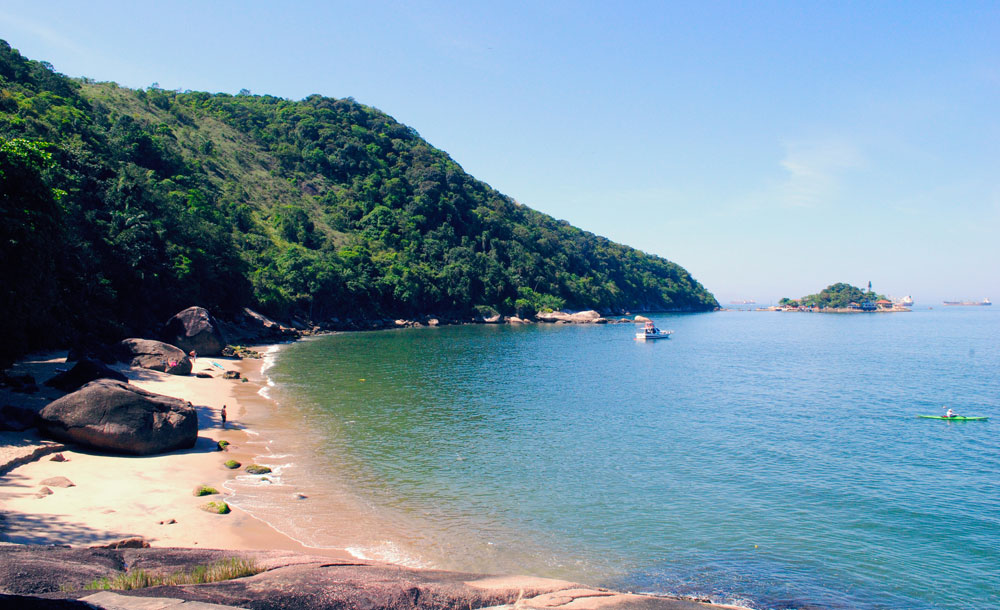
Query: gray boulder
[
  {"x": 84, "y": 371},
  {"x": 154, "y": 355},
  {"x": 195, "y": 329},
  {"x": 114, "y": 416}
]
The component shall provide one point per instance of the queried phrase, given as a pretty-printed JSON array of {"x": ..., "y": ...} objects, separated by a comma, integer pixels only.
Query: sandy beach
[{"x": 115, "y": 497}]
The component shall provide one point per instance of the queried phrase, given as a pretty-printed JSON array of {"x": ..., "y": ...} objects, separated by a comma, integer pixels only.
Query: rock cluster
[{"x": 582, "y": 317}]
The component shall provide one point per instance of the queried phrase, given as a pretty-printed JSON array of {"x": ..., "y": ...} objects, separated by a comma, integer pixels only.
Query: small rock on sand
[
  {"x": 58, "y": 458},
  {"x": 44, "y": 491},
  {"x": 58, "y": 482}
]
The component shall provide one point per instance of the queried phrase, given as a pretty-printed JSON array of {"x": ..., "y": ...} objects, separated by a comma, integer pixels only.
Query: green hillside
[{"x": 121, "y": 207}]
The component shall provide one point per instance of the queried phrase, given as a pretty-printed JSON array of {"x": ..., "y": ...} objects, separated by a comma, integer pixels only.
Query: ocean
[{"x": 764, "y": 459}]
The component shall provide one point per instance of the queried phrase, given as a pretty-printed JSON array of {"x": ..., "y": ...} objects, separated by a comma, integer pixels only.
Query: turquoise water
[{"x": 766, "y": 459}]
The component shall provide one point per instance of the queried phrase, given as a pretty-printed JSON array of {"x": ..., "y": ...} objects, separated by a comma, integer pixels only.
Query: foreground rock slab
[
  {"x": 113, "y": 416},
  {"x": 296, "y": 581}
]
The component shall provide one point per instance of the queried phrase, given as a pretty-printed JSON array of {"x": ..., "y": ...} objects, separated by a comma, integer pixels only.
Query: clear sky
[{"x": 769, "y": 148}]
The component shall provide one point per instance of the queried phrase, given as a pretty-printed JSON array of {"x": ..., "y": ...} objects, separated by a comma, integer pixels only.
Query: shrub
[
  {"x": 232, "y": 464},
  {"x": 223, "y": 445},
  {"x": 204, "y": 490},
  {"x": 257, "y": 469}
]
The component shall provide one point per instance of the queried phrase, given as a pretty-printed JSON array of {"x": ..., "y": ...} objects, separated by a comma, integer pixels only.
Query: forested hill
[{"x": 121, "y": 207}]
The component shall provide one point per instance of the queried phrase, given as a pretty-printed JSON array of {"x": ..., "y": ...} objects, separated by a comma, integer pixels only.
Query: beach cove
[{"x": 87, "y": 500}]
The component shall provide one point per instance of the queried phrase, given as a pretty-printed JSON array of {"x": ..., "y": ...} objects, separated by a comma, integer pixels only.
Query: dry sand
[{"x": 115, "y": 497}]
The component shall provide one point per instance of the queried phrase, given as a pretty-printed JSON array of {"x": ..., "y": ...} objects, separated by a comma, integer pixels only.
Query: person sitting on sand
[{"x": 193, "y": 355}]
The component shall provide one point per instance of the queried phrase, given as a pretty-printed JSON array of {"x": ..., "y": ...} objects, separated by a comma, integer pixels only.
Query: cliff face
[{"x": 124, "y": 206}]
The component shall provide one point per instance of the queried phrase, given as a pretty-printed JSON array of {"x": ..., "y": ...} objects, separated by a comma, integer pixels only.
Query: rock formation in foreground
[
  {"x": 303, "y": 582},
  {"x": 113, "y": 416}
]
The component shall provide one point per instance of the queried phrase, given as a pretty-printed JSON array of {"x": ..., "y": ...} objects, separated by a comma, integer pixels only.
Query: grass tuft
[
  {"x": 232, "y": 464},
  {"x": 225, "y": 569},
  {"x": 205, "y": 490},
  {"x": 257, "y": 469},
  {"x": 223, "y": 445}
]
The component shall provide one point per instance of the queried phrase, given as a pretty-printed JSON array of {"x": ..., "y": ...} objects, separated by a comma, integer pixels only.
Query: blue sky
[{"x": 769, "y": 148}]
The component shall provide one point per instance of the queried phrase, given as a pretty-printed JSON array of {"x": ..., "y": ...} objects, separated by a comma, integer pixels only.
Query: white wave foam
[{"x": 386, "y": 551}]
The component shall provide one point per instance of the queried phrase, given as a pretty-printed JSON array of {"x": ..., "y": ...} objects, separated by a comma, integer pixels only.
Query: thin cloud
[
  {"x": 39, "y": 31},
  {"x": 814, "y": 171}
]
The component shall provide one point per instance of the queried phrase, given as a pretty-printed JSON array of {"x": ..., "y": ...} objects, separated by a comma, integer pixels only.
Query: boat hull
[
  {"x": 956, "y": 418},
  {"x": 652, "y": 337}
]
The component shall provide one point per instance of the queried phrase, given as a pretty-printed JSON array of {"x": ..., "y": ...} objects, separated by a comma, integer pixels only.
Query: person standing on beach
[{"x": 223, "y": 416}]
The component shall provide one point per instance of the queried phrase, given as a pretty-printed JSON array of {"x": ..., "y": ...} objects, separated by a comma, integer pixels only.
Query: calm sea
[{"x": 771, "y": 460}]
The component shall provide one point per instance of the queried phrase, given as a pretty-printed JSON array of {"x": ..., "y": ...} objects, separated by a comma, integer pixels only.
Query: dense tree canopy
[{"x": 149, "y": 201}]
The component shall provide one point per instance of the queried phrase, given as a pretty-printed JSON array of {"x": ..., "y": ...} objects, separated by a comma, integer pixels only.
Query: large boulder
[
  {"x": 84, "y": 371},
  {"x": 113, "y": 416},
  {"x": 154, "y": 355},
  {"x": 586, "y": 317},
  {"x": 194, "y": 329}
]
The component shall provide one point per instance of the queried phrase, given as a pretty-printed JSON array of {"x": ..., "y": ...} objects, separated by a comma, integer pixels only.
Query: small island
[{"x": 841, "y": 298}]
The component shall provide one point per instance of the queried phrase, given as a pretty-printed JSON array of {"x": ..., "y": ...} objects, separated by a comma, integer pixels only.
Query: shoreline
[{"x": 151, "y": 497}]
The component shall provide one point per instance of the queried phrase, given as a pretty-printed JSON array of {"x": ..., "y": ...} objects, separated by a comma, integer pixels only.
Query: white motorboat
[{"x": 651, "y": 333}]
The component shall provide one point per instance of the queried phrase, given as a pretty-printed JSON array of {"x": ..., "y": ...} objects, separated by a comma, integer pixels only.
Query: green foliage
[
  {"x": 225, "y": 569},
  {"x": 231, "y": 464},
  {"x": 257, "y": 469},
  {"x": 204, "y": 490},
  {"x": 222, "y": 445},
  {"x": 321, "y": 208}
]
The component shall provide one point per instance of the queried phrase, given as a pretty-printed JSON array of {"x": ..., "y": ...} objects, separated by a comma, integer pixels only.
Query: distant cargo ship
[
  {"x": 906, "y": 301},
  {"x": 969, "y": 303}
]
